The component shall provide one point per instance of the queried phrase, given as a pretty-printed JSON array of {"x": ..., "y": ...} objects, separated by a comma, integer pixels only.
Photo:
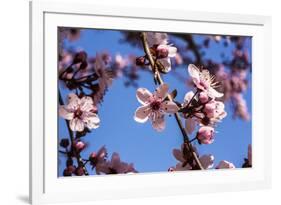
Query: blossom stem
[
  {"x": 160, "y": 81},
  {"x": 71, "y": 136}
]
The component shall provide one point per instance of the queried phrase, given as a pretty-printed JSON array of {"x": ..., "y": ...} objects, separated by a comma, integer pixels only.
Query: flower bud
[
  {"x": 79, "y": 57},
  {"x": 205, "y": 135},
  {"x": 64, "y": 142},
  {"x": 79, "y": 146},
  {"x": 79, "y": 171},
  {"x": 203, "y": 97},
  {"x": 162, "y": 51},
  {"x": 68, "y": 171},
  {"x": 140, "y": 61}
]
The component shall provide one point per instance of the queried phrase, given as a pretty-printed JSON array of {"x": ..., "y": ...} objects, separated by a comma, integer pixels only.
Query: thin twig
[{"x": 160, "y": 82}]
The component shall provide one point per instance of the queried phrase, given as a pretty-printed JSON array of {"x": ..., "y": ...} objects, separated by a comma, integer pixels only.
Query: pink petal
[
  {"x": 162, "y": 90},
  {"x": 190, "y": 124},
  {"x": 142, "y": 113},
  {"x": 143, "y": 95},
  {"x": 178, "y": 155},
  {"x": 65, "y": 113},
  {"x": 169, "y": 107},
  {"x": 166, "y": 62},
  {"x": 73, "y": 101},
  {"x": 188, "y": 97},
  {"x": 172, "y": 51},
  {"x": 185, "y": 168},
  {"x": 76, "y": 125},
  {"x": 214, "y": 94},
  {"x": 158, "y": 122},
  {"x": 156, "y": 38},
  {"x": 115, "y": 160},
  {"x": 194, "y": 73},
  {"x": 207, "y": 161},
  {"x": 86, "y": 104},
  {"x": 92, "y": 120},
  {"x": 225, "y": 165}
]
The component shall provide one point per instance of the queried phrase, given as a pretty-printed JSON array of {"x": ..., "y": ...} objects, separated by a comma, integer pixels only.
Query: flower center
[
  {"x": 78, "y": 113},
  {"x": 155, "y": 105}
]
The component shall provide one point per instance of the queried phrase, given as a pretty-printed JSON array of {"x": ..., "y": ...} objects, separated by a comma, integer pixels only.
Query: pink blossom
[
  {"x": 225, "y": 165},
  {"x": 99, "y": 157},
  {"x": 203, "y": 97},
  {"x": 79, "y": 146},
  {"x": 163, "y": 51},
  {"x": 154, "y": 106},
  {"x": 80, "y": 112},
  {"x": 204, "y": 81},
  {"x": 205, "y": 135},
  {"x": 207, "y": 161},
  {"x": 115, "y": 166}
]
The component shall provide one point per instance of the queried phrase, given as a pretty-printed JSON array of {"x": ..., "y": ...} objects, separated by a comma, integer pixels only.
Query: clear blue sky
[{"x": 151, "y": 151}]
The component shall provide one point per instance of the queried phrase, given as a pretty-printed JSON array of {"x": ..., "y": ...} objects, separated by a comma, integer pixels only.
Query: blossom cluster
[{"x": 88, "y": 78}]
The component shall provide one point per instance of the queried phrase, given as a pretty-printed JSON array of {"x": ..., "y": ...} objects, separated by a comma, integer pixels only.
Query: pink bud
[
  {"x": 205, "y": 135},
  {"x": 79, "y": 146},
  {"x": 210, "y": 108},
  {"x": 203, "y": 97},
  {"x": 162, "y": 51}
]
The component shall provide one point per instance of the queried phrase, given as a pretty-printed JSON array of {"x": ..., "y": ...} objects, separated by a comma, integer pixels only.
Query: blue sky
[{"x": 149, "y": 150}]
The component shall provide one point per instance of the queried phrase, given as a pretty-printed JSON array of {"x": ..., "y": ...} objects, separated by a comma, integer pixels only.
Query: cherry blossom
[
  {"x": 204, "y": 81},
  {"x": 225, "y": 165},
  {"x": 99, "y": 157},
  {"x": 163, "y": 51},
  {"x": 81, "y": 113},
  {"x": 115, "y": 166},
  {"x": 154, "y": 106},
  {"x": 207, "y": 160}
]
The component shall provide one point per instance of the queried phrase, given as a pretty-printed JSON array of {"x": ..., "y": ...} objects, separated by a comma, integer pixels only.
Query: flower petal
[
  {"x": 65, "y": 113},
  {"x": 115, "y": 160},
  {"x": 86, "y": 104},
  {"x": 143, "y": 95},
  {"x": 207, "y": 161},
  {"x": 169, "y": 107},
  {"x": 188, "y": 97},
  {"x": 194, "y": 73},
  {"x": 142, "y": 113},
  {"x": 179, "y": 167},
  {"x": 158, "y": 121},
  {"x": 92, "y": 120},
  {"x": 76, "y": 125},
  {"x": 178, "y": 155},
  {"x": 162, "y": 90},
  {"x": 73, "y": 101},
  {"x": 172, "y": 51},
  {"x": 166, "y": 62},
  {"x": 214, "y": 93},
  {"x": 156, "y": 38},
  {"x": 190, "y": 124},
  {"x": 225, "y": 165}
]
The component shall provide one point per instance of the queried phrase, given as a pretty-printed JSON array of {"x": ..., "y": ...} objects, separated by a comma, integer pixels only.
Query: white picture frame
[{"x": 46, "y": 187}]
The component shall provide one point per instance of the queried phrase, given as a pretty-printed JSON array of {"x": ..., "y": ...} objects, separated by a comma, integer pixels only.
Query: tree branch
[{"x": 160, "y": 82}]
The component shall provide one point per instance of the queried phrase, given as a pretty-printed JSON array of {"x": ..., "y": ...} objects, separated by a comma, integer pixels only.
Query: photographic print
[{"x": 143, "y": 102}]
